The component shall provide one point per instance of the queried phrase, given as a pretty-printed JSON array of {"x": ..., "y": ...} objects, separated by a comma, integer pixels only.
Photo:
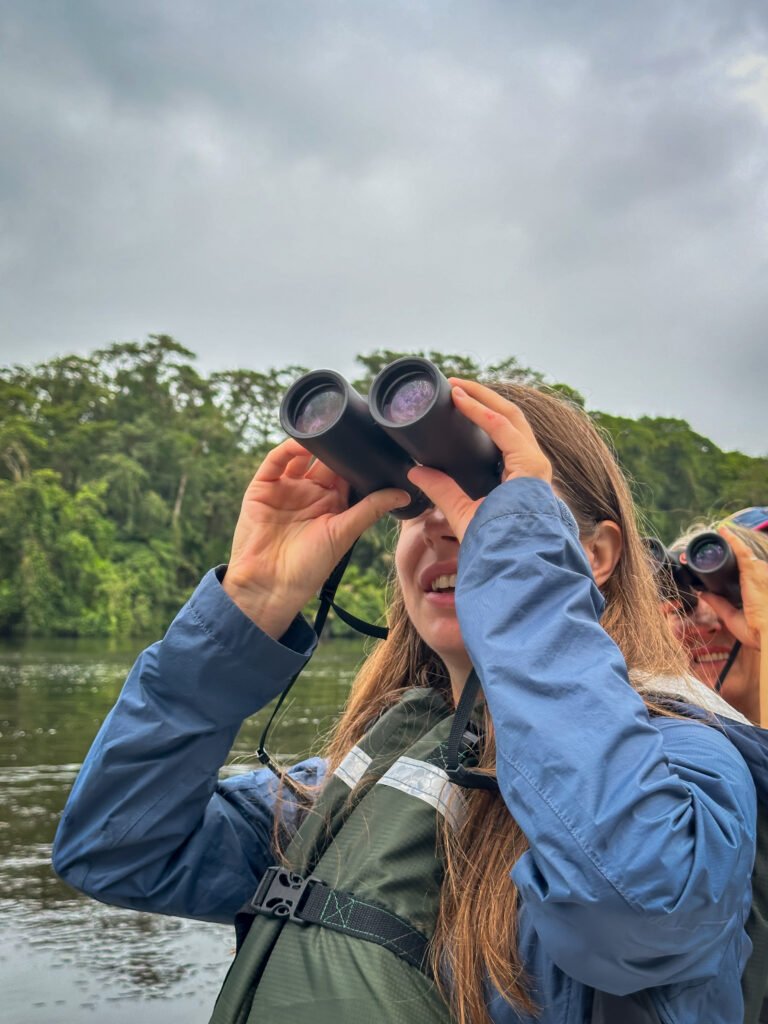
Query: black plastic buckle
[{"x": 281, "y": 893}]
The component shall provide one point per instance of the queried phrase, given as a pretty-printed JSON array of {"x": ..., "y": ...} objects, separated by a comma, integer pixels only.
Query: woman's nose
[
  {"x": 704, "y": 618},
  {"x": 437, "y": 526}
]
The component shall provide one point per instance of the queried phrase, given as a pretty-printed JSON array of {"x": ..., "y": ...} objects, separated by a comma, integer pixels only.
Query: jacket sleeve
[
  {"x": 148, "y": 825},
  {"x": 641, "y": 831}
]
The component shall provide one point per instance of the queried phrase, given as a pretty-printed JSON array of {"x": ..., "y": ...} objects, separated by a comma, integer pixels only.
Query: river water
[{"x": 64, "y": 958}]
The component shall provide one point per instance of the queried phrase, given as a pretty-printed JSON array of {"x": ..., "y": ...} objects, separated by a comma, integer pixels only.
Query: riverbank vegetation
[{"x": 121, "y": 475}]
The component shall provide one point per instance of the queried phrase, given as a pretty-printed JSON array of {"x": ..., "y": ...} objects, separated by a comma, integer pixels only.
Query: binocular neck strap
[
  {"x": 728, "y": 666},
  {"x": 458, "y": 738},
  {"x": 360, "y": 625},
  {"x": 326, "y": 595}
]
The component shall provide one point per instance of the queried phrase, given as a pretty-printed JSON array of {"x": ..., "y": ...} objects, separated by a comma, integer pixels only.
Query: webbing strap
[
  {"x": 728, "y": 666},
  {"x": 455, "y": 770},
  {"x": 287, "y": 896},
  {"x": 347, "y": 913},
  {"x": 360, "y": 625},
  {"x": 327, "y": 594}
]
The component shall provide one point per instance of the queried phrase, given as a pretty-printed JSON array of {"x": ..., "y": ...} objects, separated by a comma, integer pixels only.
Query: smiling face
[
  {"x": 706, "y": 640},
  {"x": 426, "y": 559},
  {"x": 585, "y": 475},
  {"x": 709, "y": 644}
]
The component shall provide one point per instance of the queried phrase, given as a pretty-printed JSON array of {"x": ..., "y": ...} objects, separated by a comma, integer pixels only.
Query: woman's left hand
[
  {"x": 750, "y": 623},
  {"x": 509, "y": 430}
]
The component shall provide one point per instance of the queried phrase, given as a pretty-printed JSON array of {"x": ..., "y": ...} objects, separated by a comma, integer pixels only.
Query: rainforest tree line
[{"x": 121, "y": 476}]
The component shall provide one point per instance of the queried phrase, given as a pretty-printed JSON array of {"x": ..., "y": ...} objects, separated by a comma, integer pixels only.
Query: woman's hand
[
  {"x": 509, "y": 430},
  {"x": 750, "y": 623},
  {"x": 294, "y": 526}
]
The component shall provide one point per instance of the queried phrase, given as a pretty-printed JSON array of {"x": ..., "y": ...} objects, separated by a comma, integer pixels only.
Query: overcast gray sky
[{"x": 580, "y": 184}]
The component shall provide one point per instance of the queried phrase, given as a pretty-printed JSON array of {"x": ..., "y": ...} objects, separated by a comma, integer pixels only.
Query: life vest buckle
[{"x": 282, "y": 893}]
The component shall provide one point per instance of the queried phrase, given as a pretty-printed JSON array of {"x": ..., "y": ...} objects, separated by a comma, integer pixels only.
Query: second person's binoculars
[
  {"x": 707, "y": 563},
  {"x": 407, "y": 419}
]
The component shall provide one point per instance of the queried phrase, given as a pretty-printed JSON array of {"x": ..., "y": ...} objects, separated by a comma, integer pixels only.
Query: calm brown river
[{"x": 66, "y": 959}]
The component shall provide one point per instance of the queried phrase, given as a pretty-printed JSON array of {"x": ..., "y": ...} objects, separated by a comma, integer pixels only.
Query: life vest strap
[
  {"x": 458, "y": 741},
  {"x": 290, "y": 897}
]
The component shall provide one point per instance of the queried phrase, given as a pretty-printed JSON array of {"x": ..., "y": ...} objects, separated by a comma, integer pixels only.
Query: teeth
[
  {"x": 444, "y": 582},
  {"x": 705, "y": 659}
]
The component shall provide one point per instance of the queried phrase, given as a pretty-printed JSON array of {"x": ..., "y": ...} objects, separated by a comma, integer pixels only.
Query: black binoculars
[
  {"x": 707, "y": 563},
  {"x": 407, "y": 419}
]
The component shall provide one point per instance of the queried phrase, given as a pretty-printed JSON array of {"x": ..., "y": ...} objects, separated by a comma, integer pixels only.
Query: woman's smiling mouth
[
  {"x": 708, "y": 656},
  {"x": 438, "y": 583}
]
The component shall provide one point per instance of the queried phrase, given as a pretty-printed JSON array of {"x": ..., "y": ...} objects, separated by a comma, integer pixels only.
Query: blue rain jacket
[{"x": 641, "y": 831}]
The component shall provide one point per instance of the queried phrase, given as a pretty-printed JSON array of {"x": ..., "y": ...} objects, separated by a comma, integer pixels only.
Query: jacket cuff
[{"x": 218, "y": 616}]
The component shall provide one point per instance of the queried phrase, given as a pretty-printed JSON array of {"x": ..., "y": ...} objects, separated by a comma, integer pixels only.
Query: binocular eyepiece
[
  {"x": 408, "y": 419},
  {"x": 707, "y": 563}
]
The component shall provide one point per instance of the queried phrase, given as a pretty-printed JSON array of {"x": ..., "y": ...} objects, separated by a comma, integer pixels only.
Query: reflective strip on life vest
[
  {"x": 429, "y": 783},
  {"x": 353, "y": 767}
]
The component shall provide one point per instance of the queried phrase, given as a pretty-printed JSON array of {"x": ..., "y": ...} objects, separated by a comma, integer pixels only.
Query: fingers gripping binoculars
[
  {"x": 407, "y": 419},
  {"x": 707, "y": 563}
]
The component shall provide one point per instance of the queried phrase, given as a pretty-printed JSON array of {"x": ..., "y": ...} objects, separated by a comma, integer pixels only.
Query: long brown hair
[{"x": 476, "y": 934}]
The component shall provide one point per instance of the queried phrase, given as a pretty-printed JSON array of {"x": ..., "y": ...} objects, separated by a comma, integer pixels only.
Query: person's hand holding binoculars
[
  {"x": 295, "y": 524},
  {"x": 749, "y": 624},
  {"x": 509, "y": 430}
]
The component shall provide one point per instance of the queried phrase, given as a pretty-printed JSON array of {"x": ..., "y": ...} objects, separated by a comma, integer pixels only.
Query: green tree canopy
[{"x": 121, "y": 476}]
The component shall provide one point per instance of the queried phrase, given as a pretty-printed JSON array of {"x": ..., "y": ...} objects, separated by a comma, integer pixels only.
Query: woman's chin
[{"x": 448, "y": 645}]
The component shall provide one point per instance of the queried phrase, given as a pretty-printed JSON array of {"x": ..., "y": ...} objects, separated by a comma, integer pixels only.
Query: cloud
[
  {"x": 751, "y": 72},
  {"x": 583, "y": 186}
]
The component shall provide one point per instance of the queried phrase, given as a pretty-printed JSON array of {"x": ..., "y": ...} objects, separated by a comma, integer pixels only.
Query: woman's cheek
[{"x": 676, "y": 624}]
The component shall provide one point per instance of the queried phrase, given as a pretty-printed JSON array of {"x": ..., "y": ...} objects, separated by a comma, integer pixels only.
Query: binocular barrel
[
  {"x": 410, "y": 399},
  {"x": 707, "y": 563},
  {"x": 409, "y": 418},
  {"x": 674, "y": 581},
  {"x": 710, "y": 557},
  {"x": 657, "y": 551},
  {"x": 333, "y": 421}
]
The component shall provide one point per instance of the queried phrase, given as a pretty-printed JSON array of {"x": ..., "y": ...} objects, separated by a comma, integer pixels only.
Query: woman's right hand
[
  {"x": 750, "y": 623},
  {"x": 295, "y": 524}
]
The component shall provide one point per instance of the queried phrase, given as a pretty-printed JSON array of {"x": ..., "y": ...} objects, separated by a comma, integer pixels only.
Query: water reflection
[{"x": 66, "y": 958}]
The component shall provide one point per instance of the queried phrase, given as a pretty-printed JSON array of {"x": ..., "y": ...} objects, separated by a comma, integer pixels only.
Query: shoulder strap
[
  {"x": 287, "y": 896},
  {"x": 417, "y": 712},
  {"x": 456, "y": 768}
]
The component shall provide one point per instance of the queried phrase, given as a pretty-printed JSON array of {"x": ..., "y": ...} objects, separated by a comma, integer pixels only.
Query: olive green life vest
[{"x": 370, "y": 847}]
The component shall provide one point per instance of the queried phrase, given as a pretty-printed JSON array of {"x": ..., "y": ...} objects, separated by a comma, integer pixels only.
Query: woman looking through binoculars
[
  {"x": 594, "y": 863},
  {"x": 710, "y": 626}
]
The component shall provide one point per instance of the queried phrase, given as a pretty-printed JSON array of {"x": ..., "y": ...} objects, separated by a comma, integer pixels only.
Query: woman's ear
[{"x": 603, "y": 549}]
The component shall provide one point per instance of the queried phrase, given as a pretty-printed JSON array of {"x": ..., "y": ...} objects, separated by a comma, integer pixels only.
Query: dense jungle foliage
[{"x": 121, "y": 476}]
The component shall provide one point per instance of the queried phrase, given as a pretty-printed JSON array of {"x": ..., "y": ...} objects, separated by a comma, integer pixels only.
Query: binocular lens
[
  {"x": 656, "y": 550},
  {"x": 707, "y": 556},
  {"x": 318, "y": 410},
  {"x": 408, "y": 399}
]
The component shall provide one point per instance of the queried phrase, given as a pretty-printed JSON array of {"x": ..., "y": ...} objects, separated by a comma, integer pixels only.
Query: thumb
[
  {"x": 355, "y": 520},
  {"x": 443, "y": 491}
]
